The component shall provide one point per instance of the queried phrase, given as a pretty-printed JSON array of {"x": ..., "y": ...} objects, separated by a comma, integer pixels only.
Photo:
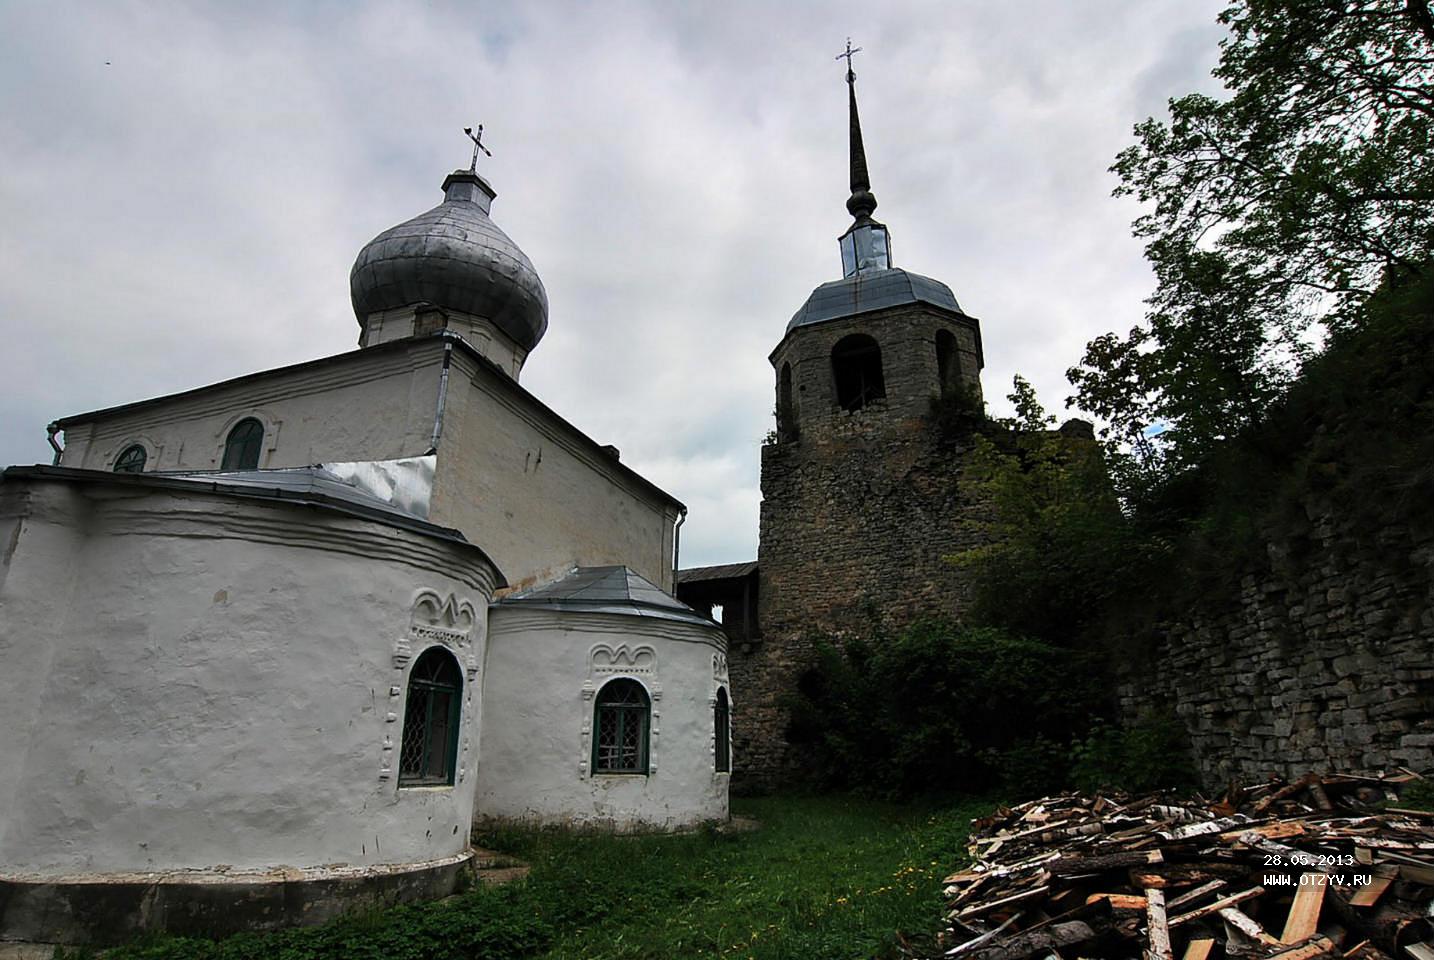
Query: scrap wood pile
[{"x": 1320, "y": 867}]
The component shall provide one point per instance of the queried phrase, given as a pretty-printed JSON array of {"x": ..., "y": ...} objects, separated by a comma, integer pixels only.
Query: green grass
[{"x": 823, "y": 878}]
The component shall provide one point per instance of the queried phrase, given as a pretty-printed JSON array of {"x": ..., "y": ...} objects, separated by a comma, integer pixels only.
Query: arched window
[
  {"x": 431, "y": 721},
  {"x": 722, "y": 721},
  {"x": 620, "y": 728},
  {"x": 786, "y": 413},
  {"x": 131, "y": 459},
  {"x": 948, "y": 370},
  {"x": 856, "y": 368},
  {"x": 241, "y": 450}
]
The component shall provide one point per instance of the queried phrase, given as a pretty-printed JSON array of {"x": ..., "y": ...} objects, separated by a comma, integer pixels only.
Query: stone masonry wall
[
  {"x": 855, "y": 530},
  {"x": 1322, "y": 660}
]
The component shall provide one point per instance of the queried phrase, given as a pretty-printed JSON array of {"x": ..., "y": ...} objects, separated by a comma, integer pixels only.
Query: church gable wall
[
  {"x": 537, "y": 495},
  {"x": 217, "y": 660},
  {"x": 368, "y": 405}
]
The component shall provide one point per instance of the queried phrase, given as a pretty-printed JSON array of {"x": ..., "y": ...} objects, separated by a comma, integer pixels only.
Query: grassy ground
[{"x": 822, "y": 878}]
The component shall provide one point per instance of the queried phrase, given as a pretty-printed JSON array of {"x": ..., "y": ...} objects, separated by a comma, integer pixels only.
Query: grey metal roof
[
  {"x": 452, "y": 256},
  {"x": 872, "y": 290},
  {"x": 310, "y": 486},
  {"x": 607, "y": 590},
  {"x": 722, "y": 571}
]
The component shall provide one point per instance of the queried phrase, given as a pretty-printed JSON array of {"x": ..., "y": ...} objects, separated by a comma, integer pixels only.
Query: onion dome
[{"x": 455, "y": 258}]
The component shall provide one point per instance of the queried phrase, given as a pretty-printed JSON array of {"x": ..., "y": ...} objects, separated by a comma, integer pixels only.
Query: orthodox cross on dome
[{"x": 477, "y": 138}]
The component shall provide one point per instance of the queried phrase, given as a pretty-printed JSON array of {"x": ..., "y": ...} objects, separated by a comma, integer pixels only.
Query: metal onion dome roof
[
  {"x": 875, "y": 290},
  {"x": 453, "y": 257}
]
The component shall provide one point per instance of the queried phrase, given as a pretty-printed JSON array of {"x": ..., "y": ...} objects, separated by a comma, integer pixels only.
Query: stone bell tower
[{"x": 862, "y": 496}]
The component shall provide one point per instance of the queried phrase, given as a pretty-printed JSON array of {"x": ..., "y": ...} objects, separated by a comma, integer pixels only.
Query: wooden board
[
  {"x": 1368, "y": 895},
  {"x": 1159, "y": 930},
  {"x": 1303, "y": 918},
  {"x": 1199, "y": 949}
]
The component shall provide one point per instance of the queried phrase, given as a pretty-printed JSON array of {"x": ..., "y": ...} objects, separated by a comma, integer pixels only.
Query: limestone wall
[
  {"x": 1322, "y": 659},
  {"x": 857, "y": 520}
]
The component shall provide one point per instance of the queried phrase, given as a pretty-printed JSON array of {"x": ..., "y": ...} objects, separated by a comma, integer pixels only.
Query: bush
[
  {"x": 940, "y": 709},
  {"x": 1151, "y": 754}
]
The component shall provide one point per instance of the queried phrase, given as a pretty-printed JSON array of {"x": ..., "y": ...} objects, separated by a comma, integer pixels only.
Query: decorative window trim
[
  {"x": 271, "y": 424},
  {"x": 607, "y": 662},
  {"x": 434, "y": 620}
]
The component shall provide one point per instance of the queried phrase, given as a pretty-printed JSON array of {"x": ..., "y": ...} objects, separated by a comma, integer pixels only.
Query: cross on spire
[
  {"x": 846, "y": 54},
  {"x": 477, "y": 139}
]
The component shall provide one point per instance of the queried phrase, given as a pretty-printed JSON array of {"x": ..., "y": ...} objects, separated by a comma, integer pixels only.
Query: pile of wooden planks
[{"x": 1319, "y": 867}]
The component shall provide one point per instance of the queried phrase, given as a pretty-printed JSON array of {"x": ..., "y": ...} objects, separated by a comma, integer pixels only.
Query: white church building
[{"x": 270, "y": 646}]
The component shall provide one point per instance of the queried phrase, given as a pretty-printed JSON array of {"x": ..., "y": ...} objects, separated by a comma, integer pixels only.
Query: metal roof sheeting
[{"x": 872, "y": 290}]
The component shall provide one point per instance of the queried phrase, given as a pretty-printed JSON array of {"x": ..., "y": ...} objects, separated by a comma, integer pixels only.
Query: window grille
[
  {"x": 620, "y": 728},
  {"x": 241, "y": 449},
  {"x": 131, "y": 460},
  {"x": 722, "y": 720},
  {"x": 431, "y": 721}
]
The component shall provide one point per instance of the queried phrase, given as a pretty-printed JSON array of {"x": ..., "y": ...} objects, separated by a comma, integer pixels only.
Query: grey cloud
[{"x": 675, "y": 172}]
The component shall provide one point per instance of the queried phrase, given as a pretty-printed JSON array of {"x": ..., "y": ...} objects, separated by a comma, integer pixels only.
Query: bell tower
[{"x": 862, "y": 494}]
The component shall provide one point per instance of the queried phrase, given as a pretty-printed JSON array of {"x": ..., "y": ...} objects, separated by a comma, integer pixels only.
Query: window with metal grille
[
  {"x": 131, "y": 460},
  {"x": 620, "y": 728},
  {"x": 722, "y": 720},
  {"x": 241, "y": 449},
  {"x": 431, "y": 721}
]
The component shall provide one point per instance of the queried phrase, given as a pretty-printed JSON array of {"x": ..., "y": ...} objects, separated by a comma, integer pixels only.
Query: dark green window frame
[
  {"x": 722, "y": 722},
  {"x": 131, "y": 459},
  {"x": 243, "y": 445},
  {"x": 621, "y": 723},
  {"x": 432, "y": 715}
]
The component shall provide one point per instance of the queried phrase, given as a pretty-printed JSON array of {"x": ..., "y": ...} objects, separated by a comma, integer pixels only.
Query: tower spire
[
  {"x": 861, "y": 204},
  {"x": 865, "y": 246}
]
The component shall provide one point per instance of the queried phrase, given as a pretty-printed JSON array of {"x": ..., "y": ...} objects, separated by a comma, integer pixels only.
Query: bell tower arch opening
[
  {"x": 948, "y": 365},
  {"x": 856, "y": 372}
]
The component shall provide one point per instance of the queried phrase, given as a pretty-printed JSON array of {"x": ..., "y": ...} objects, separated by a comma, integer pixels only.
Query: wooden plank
[
  {"x": 1369, "y": 894},
  {"x": 1303, "y": 918},
  {"x": 1199, "y": 949},
  {"x": 980, "y": 908},
  {"x": 1217, "y": 906},
  {"x": 1247, "y": 925},
  {"x": 1119, "y": 901},
  {"x": 1159, "y": 929},
  {"x": 1191, "y": 895},
  {"x": 1309, "y": 950}
]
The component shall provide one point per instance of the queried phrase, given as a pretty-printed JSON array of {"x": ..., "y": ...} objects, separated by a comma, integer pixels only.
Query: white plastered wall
[
  {"x": 543, "y": 671},
  {"x": 376, "y": 405},
  {"x": 201, "y": 681},
  {"x": 537, "y": 498}
]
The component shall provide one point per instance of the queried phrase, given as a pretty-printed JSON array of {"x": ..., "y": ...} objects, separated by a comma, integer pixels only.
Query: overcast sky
[{"x": 183, "y": 188}]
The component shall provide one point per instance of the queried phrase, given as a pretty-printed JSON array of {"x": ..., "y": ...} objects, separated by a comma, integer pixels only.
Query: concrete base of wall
[{"x": 106, "y": 909}]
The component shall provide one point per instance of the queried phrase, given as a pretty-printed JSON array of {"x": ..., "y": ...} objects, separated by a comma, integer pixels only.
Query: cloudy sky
[{"x": 183, "y": 188}]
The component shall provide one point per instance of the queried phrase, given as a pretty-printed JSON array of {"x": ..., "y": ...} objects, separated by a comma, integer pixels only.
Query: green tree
[{"x": 1281, "y": 206}]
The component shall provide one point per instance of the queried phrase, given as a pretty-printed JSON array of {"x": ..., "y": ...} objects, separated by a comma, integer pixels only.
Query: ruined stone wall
[
  {"x": 1322, "y": 659},
  {"x": 857, "y": 522}
]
